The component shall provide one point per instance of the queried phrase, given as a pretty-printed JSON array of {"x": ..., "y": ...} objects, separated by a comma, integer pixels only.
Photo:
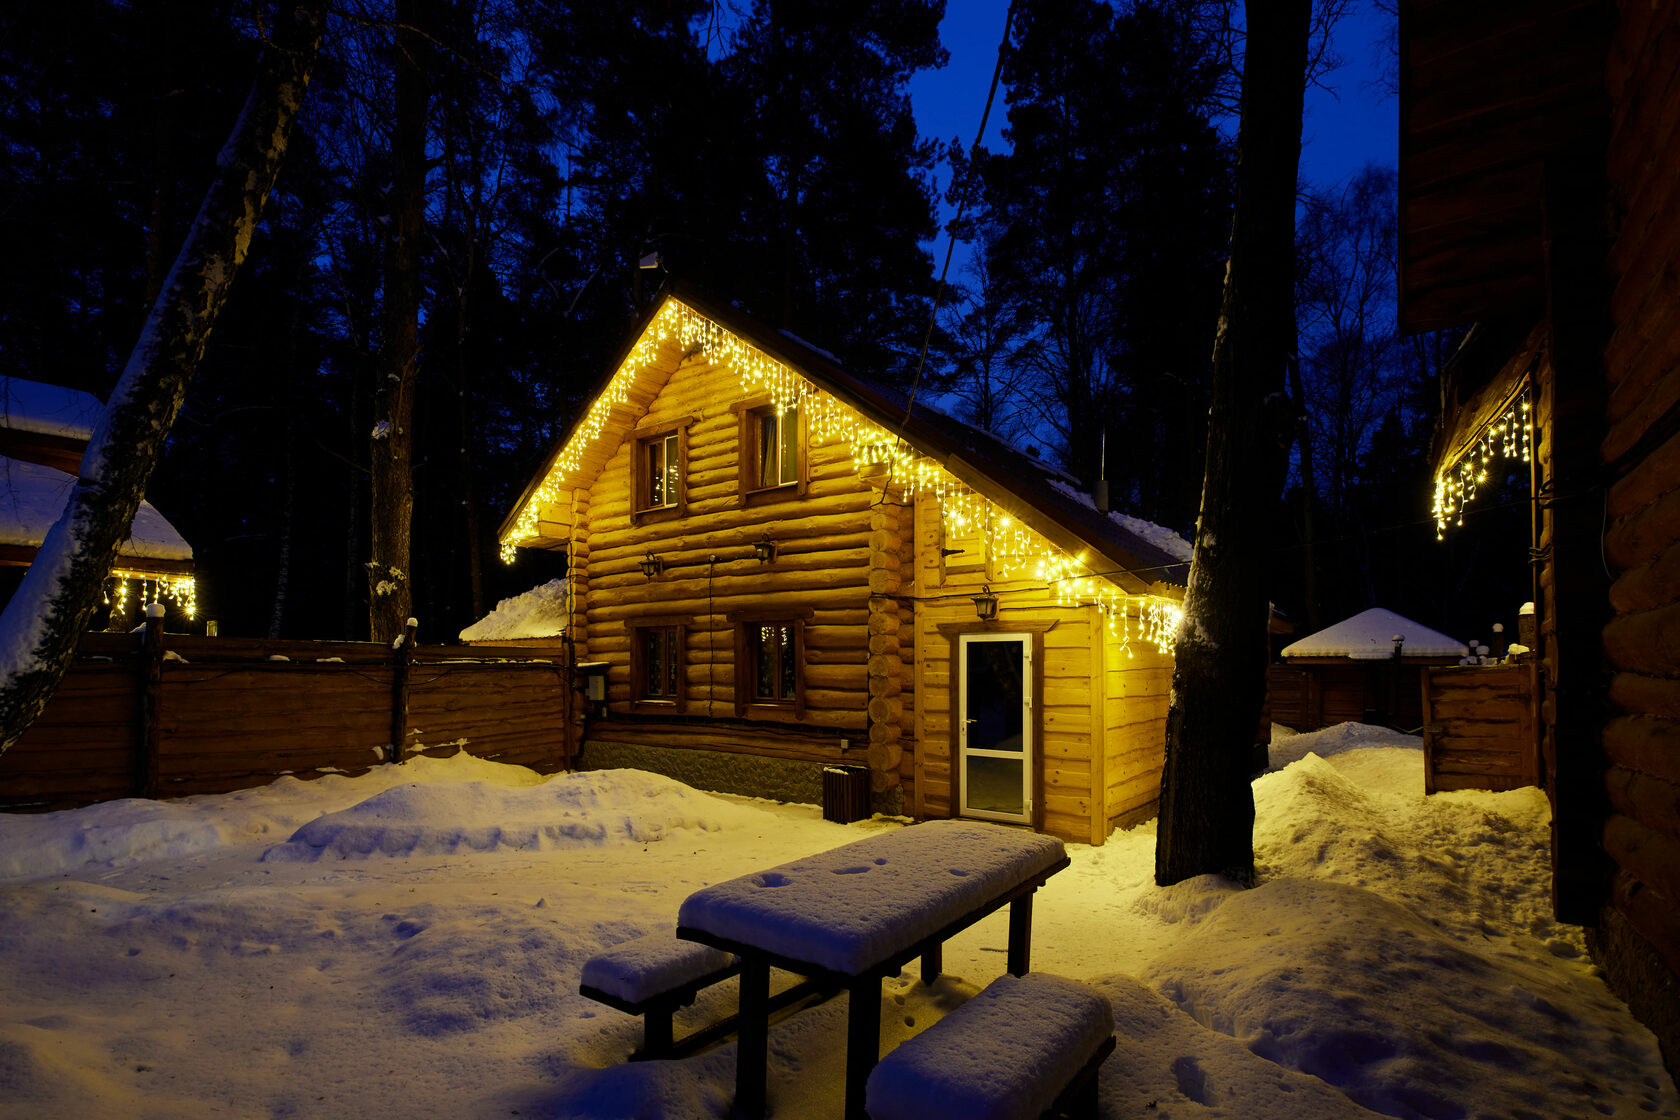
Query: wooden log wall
[
  {"x": 1138, "y": 689},
  {"x": 234, "y": 713},
  {"x": 1478, "y": 730},
  {"x": 833, "y": 547},
  {"x": 1639, "y": 933}
]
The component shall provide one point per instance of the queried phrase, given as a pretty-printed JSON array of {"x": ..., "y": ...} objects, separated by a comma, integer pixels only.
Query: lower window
[
  {"x": 656, "y": 662},
  {"x": 775, "y": 668},
  {"x": 769, "y": 663}
]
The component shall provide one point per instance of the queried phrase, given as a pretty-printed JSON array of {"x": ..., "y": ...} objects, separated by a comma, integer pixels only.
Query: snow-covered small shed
[
  {"x": 1368, "y": 667},
  {"x": 44, "y": 429}
]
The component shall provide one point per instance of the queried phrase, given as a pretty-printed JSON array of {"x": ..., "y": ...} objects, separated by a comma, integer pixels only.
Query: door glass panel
[
  {"x": 995, "y": 785},
  {"x": 995, "y": 712}
]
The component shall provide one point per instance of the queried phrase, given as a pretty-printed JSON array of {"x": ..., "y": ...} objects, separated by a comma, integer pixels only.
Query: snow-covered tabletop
[{"x": 854, "y": 907}]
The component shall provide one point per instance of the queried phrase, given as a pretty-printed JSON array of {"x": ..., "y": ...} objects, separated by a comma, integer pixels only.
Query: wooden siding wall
[
  {"x": 1642, "y": 541},
  {"x": 1479, "y": 727},
  {"x": 234, "y": 713},
  {"x": 825, "y": 562},
  {"x": 1101, "y": 747},
  {"x": 1138, "y": 687}
]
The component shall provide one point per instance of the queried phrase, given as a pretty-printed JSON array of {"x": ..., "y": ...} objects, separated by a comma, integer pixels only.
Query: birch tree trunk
[
  {"x": 42, "y": 624},
  {"x": 1219, "y": 678},
  {"x": 390, "y": 592}
]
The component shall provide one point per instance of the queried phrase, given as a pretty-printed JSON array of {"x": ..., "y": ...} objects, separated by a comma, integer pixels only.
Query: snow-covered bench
[
  {"x": 1025, "y": 1047},
  {"x": 652, "y": 976}
]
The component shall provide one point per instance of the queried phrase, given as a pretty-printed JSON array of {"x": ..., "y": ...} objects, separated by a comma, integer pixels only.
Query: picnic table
[{"x": 860, "y": 912}]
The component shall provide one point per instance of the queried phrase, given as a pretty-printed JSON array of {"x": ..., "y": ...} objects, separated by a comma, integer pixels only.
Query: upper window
[
  {"x": 660, "y": 459},
  {"x": 772, "y": 453},
  {"x": 778, "y": 448},
  {"x": 662, "y": 472}
]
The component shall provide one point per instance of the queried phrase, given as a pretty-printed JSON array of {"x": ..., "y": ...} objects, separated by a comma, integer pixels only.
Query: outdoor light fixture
[
  {"x": 765, "y": 548},
  {"x": 651, "y": 565},
  {"x": 985, "y": 604}
]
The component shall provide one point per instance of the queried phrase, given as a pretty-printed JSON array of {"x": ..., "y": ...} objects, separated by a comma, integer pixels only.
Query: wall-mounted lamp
[
  {"x": 765, "y": 548},
  {"x": 985, "y": 604},
  {"x": 651, "y": 565}
]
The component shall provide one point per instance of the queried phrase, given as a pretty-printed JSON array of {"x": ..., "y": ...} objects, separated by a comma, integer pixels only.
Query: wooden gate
[{"x": 1479, "y": 728}]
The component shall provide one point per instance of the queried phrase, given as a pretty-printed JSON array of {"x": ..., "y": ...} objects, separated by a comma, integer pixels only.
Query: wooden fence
[
  {"x": 1479, "y": 727},
  {"x": 169, "y": 715}
]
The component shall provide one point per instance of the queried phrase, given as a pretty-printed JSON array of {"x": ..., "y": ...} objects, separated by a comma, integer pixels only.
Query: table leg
[
  {"x": 753, "y": 1038},
  {"x": 657, "y": 1033},
  {"x": 863, "y": 1041},
  {"x": 1020, "y": 935},
  {"x": 933, "y": 961}
]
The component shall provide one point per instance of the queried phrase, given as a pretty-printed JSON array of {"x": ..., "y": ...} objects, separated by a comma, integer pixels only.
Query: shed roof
[
  {"x": 1369, "y": 636},
  {"x": 54, "y": 410},
  {"x": 32, "y": 497}
]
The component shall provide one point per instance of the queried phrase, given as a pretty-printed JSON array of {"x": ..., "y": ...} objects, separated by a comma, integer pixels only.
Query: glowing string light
[
  {"x": 964, "y": 513},
  {"x": 1506, "y": 438}
]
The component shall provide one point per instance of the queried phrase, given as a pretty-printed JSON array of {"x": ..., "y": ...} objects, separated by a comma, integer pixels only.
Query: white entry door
[{"x": 994, "y": 709}]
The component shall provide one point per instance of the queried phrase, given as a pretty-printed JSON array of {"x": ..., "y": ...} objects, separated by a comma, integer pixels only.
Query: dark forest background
[{"x": 766, "y": 151}]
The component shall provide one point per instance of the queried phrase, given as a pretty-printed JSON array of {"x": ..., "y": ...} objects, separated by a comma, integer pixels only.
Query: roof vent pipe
[{"x": 1099, "y": 492}]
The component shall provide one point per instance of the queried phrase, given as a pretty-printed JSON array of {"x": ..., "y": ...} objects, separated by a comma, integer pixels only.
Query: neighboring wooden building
[
  {"x": 775, "y": 582},
  {"x": 1350, "y": 672},
  {"x": 44, "y": 430},
  {"x": 1540, "y": 199}
]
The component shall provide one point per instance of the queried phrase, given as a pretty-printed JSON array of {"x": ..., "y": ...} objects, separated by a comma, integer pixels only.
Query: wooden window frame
[
  {"x": 746, "y": 703},
  {"x": 749, "y": 413},
  {"x": 641, "y": 513},
  {"x": 640, "y": 701}
]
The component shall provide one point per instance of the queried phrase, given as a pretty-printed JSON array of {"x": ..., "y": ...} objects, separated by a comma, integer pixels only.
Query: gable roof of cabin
[{"x": 1032, "y": 492}]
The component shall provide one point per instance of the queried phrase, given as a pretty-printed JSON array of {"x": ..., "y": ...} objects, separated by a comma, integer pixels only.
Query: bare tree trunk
[
  {"x": 1309, "y": 495},
  {"x": 61, "y": 591},
  {"x": 390, "y": 593},
  {"x": 1207, "y": 804}
]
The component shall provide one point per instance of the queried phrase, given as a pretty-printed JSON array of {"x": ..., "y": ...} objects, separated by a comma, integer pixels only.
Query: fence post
[
  {"x": 148, "y": 732},
  {"x": 404, "y": 657}
]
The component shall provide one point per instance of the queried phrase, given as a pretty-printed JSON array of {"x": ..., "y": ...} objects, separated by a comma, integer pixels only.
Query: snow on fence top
[
  {"x": 1369, "y": 636},
  {"x": 34, "y": 406}
]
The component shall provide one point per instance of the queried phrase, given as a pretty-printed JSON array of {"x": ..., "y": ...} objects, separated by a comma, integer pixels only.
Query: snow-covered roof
[
  {"x": 1369, "y": 636},
  {"x": 1160, "y": 536},
  {"x": 537, "y": 613},
  {"x": 32, "y": 497},
  {"x": 34, "y": 406}
]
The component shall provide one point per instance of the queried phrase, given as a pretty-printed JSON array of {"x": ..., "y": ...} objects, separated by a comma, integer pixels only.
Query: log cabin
[
  {"x": 1540, "y": 201},
  {"x": 44, "y": 430},
  {"x": 781, "y": 568}
]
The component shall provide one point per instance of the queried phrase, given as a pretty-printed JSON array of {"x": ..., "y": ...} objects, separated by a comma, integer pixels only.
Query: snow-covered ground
[{"x": 408, "y": 944}]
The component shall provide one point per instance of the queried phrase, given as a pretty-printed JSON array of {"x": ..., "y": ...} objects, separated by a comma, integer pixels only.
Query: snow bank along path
[{"x": 408, "y": 944}]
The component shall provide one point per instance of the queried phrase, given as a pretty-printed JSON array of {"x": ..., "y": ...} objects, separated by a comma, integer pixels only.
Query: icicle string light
[
  {"x": 152, "y": 588},
  {"x": 1505, "y": 438},
  {"x": 1016, "y": 551}
]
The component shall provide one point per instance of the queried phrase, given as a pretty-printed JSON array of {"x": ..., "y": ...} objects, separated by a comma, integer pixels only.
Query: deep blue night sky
[{"x": 1349, "y": 120}]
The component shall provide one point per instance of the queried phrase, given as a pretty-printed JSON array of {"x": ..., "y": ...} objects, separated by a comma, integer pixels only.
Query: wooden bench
[
  {"x": 652, "y": 976},
  {"x": 1025, "y": 1047}
]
